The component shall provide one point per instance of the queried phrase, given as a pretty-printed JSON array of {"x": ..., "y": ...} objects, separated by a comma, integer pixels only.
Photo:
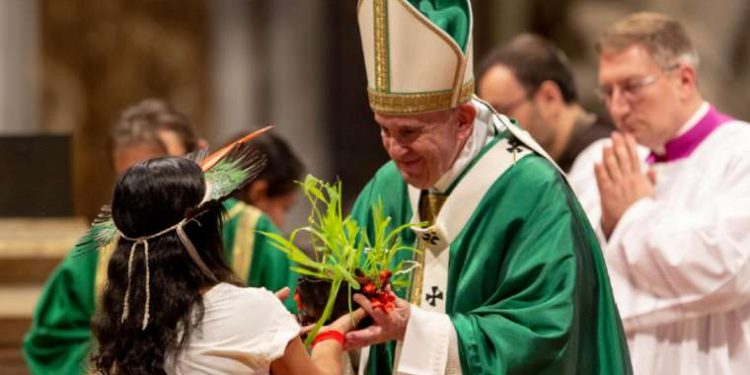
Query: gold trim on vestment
[
  {"x": 418, "y": 274},
  {"x": 244, "y": 242},
  {"x": 234, "y": 211}
]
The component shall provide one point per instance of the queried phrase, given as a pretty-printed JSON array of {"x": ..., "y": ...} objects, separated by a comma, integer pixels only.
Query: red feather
[{"x": 211, "y": 160}]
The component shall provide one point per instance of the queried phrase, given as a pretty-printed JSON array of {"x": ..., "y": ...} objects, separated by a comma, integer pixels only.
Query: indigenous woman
[{"x": 172, "y": 305}]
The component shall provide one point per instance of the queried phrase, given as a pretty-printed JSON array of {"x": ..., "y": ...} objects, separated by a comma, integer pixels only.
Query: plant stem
[{"x": 335, "y": 285}]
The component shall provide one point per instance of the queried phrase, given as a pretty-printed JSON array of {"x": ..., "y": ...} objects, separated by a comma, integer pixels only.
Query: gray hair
[{"x": 663, "y": 37}]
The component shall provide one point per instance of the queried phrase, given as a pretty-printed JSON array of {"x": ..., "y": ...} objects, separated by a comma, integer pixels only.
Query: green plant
[{"x": 341, "y": 249}]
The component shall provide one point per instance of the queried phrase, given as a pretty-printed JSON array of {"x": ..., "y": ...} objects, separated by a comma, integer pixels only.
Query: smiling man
[
  {"x": 510, "y": 277},
  {"x": 675, "y": 225}
]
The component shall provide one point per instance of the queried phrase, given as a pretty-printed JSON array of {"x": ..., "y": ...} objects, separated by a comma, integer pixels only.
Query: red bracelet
[{"x": 329, "y": 335}]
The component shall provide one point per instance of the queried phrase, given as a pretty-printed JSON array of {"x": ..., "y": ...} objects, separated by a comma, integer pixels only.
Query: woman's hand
[
  {"x": 282, "y": 294},
  {"x": 346, "y": 322}
]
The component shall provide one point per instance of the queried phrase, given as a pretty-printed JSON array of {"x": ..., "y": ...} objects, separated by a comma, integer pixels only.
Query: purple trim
[{"x": 684, "y": 145}]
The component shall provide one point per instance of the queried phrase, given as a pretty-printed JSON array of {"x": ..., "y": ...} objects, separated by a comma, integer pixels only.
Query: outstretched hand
[
  {"x": 346, "y": 322},
  {"x": 387, "y": 326},
  {"x": 282, "y": 294}
]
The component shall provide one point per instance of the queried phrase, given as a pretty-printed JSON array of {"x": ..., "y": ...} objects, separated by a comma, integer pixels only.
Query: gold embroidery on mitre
[
  {"x": 402, "y": 104},
  {"x": 382, "y": 81}
]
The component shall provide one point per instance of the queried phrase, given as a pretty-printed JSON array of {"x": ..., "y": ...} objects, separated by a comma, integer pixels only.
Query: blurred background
[{"x": 68, "y": 67}]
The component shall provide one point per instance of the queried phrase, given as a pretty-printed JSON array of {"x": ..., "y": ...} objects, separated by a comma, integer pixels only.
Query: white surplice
[{"x": 679, "y": 262}]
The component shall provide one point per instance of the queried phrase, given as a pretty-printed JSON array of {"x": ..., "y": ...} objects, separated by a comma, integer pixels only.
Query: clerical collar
[
  {"x": 480, "y": 136},
  {"x": 703, "y": 122}
]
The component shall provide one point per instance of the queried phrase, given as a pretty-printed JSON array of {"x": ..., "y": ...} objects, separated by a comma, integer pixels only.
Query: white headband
[{"x": 191, "y": 250}]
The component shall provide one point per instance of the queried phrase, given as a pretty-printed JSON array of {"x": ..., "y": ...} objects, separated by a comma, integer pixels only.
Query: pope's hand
[{"x": 386, "y": 327}]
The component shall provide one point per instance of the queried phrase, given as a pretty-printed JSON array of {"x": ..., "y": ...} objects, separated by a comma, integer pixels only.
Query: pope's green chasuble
[
  {"x": 525, "y": 287},
  {"x": 60, "y": 338}
]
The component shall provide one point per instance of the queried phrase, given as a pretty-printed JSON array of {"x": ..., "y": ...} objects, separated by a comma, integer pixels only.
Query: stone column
[
  {"x": 19, "y": 56},
  {"x": 297, "y": 43},
  {"x": 268, "y": 67},
  {"x": 297, "y": 47},
  {"x": 238, "y": 69}
]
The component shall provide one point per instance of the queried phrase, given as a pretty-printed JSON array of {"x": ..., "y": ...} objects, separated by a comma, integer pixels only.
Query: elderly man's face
[
  {"x": 642, "y": 97},
  {"x": 425, "y": 146}
]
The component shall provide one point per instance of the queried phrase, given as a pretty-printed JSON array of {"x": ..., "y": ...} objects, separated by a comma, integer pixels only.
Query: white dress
[
  {"x": 243, "y": 330},
  {"x": 679, "y": 262}
]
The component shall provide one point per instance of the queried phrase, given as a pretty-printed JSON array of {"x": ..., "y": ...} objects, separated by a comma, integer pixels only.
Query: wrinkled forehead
[{"x": 415, "y": 120}]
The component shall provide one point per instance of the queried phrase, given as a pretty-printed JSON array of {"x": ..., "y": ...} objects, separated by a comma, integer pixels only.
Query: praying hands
[{"x": 620, "y": 179}]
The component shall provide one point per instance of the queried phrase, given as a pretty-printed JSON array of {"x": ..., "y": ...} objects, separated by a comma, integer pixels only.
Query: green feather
[{"x": 233, "y": 171}]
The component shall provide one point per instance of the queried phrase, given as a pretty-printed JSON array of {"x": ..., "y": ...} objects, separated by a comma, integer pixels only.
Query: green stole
[{"x": 448, "y": 215}]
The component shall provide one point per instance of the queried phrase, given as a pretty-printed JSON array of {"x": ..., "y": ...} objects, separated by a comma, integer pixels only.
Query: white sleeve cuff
[
  {"x": 634, "y": 215},
  {"x": 430, "y": 344}
]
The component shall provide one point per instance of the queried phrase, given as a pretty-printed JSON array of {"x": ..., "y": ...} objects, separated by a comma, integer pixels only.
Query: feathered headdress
[{"x": 225, "y": 171}]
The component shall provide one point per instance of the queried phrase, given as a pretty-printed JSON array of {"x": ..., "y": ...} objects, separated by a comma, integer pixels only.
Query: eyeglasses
[{"x": 631, "y": 89}]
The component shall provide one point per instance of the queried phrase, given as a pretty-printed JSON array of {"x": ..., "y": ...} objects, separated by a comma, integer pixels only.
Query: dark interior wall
[
  {"x": 101, "y": 56},
  {"x": 355, "y": 138},
  {"x": 35, "y": 176}
]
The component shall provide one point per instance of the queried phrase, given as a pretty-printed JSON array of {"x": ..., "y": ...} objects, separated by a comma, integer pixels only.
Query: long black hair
[{"x": 148, "y": 198}]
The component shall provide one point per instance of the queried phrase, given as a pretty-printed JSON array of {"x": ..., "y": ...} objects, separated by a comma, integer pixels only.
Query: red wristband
[{"x": 329, "y": 335}]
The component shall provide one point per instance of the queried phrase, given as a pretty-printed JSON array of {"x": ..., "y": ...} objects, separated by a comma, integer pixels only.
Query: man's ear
[
  {"x": 549, "y": 99},
  {"x": 549, "y": 92},
  {"x": 466, "y": 115},
  {"x": 688, "y": 80},
  {"x": 258, "y": 190}
]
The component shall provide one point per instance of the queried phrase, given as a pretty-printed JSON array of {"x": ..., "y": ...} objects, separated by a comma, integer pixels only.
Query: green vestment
[
  {"x": 60, "y": 338},
  {"x": 527, "y": 289}
]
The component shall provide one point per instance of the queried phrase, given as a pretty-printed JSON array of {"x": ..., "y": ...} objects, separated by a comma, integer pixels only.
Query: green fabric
[
  {"x": 60, "y": 338},
  {"x": 452, "y": 16},
  {"x": 269, "y": 266},
  {"x": 528, "y": 291}
]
